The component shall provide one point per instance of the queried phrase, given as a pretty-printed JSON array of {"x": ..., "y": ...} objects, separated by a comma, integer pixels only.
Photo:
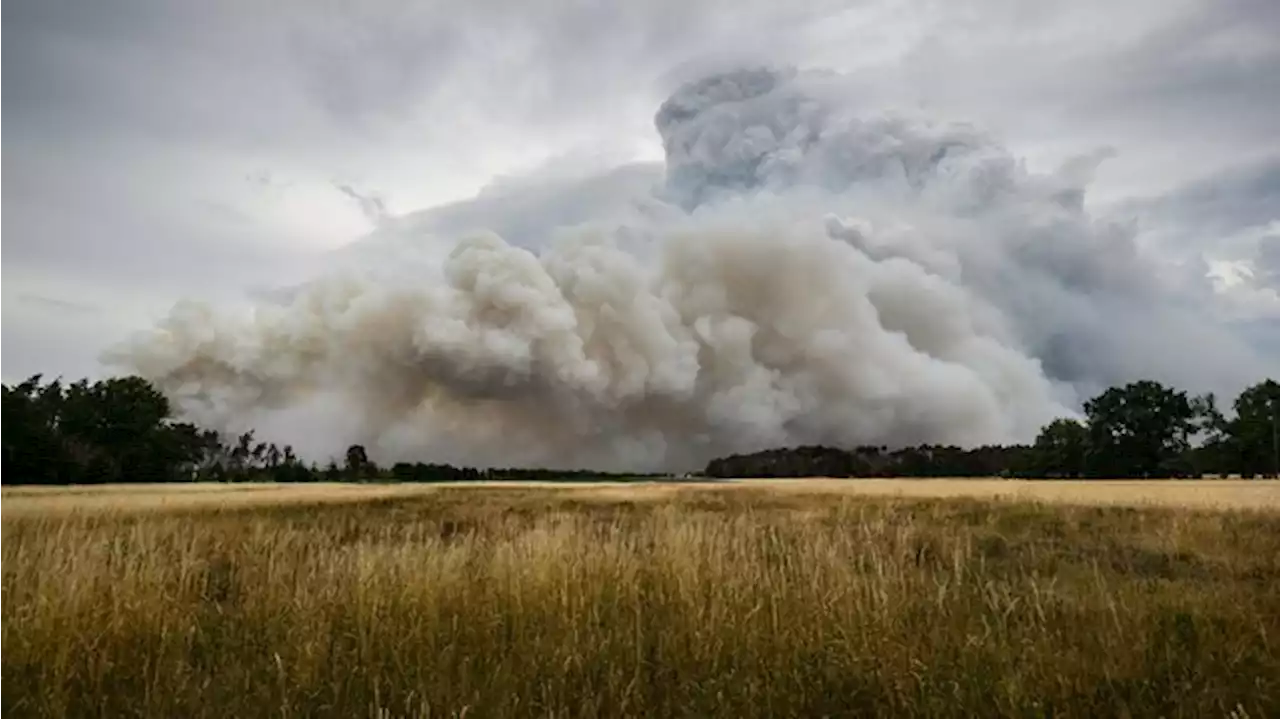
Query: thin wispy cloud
[{"x": 56, "y": 304}]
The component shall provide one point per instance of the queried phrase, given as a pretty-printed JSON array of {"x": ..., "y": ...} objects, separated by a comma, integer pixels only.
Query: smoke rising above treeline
[{"x": 801, "y": 270}]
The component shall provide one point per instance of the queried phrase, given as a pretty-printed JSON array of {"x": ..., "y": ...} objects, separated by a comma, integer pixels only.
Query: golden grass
[
  {"x": 773, "y": 599},
  {"x": 38, "y": 501},
  {"x": 1200, "y": 494}
]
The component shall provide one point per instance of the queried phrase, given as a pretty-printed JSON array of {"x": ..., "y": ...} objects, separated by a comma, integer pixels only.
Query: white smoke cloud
[{"x": 807, "y": 271}]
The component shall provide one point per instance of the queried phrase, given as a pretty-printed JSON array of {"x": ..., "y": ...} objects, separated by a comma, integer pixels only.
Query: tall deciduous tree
[
  {"x": 33, "y": 447},
  {"x": 1061, "y": 448},
  {"x": 1139, "y": 430},
  {"x": 1256, "y": 429},
  {"x": 1215, "y": 451}
]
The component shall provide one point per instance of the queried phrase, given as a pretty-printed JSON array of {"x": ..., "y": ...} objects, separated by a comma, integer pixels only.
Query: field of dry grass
[
  {"x": 1207, "y": 494},
  {"x": 785, "y": 598},
  {"x": 1199, "y": 494}
]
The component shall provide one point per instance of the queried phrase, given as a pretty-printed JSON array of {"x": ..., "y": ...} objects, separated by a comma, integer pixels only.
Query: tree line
[
  {"x": 123, "y": 430},
  {"x": 1141, "y": 429}
]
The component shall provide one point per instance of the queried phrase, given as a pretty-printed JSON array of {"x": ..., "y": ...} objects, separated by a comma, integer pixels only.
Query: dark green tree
[
  {"x": 1215, "y": 450},
  {"x": 357, "y": 462},
  {"x": 1061, "y": 449},
  {"x": 242, "y": 457},
  {"x": 120, "y": 430},
  {"x": 1139, "y": 430},
  {"x": 332, "y": 472},
  {"x": 116, "y": 430},
  {"x": 1255, "y": 431},
  {"x": 33, "y": 447}
]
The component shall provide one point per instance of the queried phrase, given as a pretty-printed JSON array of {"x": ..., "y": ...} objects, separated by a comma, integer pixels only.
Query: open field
[
  {"x": 1204, "y": 494},
  {"x": 1200, "y": 494},
  {"x": 762, "y": 598}
]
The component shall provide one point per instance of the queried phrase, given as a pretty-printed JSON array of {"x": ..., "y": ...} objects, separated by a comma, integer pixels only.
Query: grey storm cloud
[
  {"x": 1230, "y": 218},
  {"x": 1244, "y": 196},
  {"x": 250, "y": 75},
  {"x": 288, "y": 75},
  {"x": 1057, "y": 178},
  {"x": 805, "y": 270},
  {"x": 1267, "y": 266}
]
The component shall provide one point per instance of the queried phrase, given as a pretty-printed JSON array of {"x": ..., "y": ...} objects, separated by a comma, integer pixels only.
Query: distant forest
[{"x": 123, "y": 430}]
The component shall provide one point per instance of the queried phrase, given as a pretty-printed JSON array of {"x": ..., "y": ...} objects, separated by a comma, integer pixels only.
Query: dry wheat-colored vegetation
[
  {"x": 1202, "y": 494},
  {"x": 1181, "y": 493},
  {"x": 636, "y": 601}
]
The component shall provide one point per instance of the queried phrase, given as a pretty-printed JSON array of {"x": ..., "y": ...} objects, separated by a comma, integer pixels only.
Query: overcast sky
[{"x": 156, "y": 150}]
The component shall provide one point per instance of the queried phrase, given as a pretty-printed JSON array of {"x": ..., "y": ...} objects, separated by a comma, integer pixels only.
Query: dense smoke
[{"x": 801, "y": 271}]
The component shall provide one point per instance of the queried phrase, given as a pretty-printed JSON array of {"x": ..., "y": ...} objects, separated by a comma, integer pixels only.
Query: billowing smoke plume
[{"x": 806, "y": 271}]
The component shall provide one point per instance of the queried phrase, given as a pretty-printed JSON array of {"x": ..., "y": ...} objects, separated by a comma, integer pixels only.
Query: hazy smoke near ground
[{"x": 803, "y": 270}]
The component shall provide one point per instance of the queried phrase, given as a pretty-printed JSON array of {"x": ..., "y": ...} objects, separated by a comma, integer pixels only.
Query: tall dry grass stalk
[{"x": 503, "y": 602}]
